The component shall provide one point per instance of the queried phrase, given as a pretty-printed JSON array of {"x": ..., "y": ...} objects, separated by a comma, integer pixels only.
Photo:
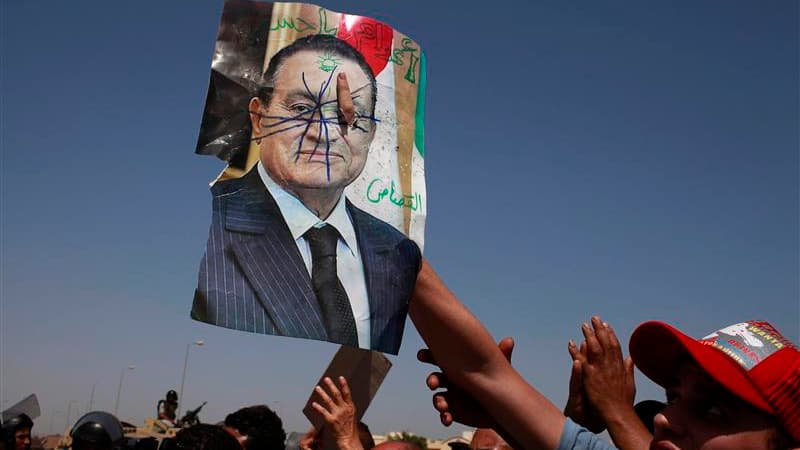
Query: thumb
[
  {"x": 629, "y": 367},
  {"x": 576, "y": 380},
  {"x": 629, "y": 374},
  {"x": 506, "y": 346}
]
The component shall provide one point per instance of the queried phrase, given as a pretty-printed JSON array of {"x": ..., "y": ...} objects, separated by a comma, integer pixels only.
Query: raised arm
[
  {"x": 469, "y": 357},
  {"x": 608, "y": 383}
]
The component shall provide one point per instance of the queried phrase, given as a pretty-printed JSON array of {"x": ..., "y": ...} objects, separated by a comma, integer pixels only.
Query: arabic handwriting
[
  {"x": 398, "y": 58},
  {"x": 376, "y": 192},
  {"x": 370, "y": 38},
  {"x": 302, "y": 25}
]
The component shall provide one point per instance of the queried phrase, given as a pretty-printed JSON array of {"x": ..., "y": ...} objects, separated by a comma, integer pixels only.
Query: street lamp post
[
  {"x": 119, "y": 389},
  {"x": 198, "y": 343},
  {"x": 91, "y": 398}
]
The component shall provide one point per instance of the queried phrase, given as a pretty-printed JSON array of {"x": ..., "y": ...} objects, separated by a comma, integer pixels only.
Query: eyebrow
[{"x": 303, "y": 94}]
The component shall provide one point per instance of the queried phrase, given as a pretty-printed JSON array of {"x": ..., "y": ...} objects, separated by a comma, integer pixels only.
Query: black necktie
[{"x": 333, "y": 301}]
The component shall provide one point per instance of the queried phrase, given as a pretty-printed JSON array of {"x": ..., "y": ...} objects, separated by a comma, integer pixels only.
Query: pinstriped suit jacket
[{"x": 252, "y": 277}]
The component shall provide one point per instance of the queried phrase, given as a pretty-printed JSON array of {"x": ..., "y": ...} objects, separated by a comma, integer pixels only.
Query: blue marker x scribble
[{"x": 306, "y": 118}]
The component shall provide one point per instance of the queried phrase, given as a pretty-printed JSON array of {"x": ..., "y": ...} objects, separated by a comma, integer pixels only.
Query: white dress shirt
[{"x": 348, "y": 258}]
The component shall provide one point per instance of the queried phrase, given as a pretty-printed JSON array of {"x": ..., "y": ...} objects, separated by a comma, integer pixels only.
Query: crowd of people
[{"x": 736, "y": 388}]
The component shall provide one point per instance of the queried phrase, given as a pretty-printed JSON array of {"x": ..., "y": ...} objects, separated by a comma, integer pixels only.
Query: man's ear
[{"x": 256, "y": 108}]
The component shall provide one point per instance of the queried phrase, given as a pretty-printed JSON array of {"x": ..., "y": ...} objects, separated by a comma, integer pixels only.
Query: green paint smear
[{"x": 419, "y": 119}]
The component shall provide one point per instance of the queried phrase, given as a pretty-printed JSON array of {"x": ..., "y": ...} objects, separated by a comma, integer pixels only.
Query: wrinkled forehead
[{"x": 319, "y": 64}]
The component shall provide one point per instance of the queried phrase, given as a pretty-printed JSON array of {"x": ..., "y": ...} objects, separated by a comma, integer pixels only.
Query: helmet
[
  {"x": 172, "y": 396},
  {"x": 97, "y": 430},
  {"x": 11, "y": 426}
]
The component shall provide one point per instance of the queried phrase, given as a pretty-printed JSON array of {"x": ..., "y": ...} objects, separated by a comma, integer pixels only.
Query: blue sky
[{"x": 635, "y": 161}]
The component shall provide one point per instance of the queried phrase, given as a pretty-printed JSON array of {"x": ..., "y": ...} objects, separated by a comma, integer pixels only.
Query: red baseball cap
[{"x": 750, "y": 359}]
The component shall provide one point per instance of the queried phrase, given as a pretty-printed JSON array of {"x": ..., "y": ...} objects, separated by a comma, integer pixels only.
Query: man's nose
[{"x": 324, "y": 126}]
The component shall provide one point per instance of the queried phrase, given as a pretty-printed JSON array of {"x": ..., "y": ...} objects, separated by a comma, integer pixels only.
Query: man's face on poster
[{"x": 303, "y": 141}]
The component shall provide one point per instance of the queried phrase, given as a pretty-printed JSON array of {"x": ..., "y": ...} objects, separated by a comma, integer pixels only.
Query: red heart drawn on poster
[{"x": 370, "y": 37}]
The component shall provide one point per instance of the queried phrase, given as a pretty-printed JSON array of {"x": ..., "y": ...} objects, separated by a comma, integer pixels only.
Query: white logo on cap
[{"x": 740, "y": 329}]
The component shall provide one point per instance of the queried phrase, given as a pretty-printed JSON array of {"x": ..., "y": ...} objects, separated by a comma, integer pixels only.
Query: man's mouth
[{"x": 320, "y": 154}]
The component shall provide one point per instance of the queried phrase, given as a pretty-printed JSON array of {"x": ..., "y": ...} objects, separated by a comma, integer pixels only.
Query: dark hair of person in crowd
[
  {"x": 262, "y": 427},
  {"x": 205, "y": 437},
  {"x": 647, "y": 410}
]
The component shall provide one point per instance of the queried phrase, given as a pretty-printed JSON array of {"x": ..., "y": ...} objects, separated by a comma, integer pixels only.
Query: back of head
[
  {"x": 97, "y": 430},
  {"x": 397, "y": 445},
  {"x": 262, "y": 427},
  {"x": 647, "y": 410},
  {"x": 205, "y": 437},
  {"x": 487, "y": 439}
]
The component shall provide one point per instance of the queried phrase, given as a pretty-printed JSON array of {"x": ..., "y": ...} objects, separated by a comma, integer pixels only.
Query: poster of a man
[{"x": 291, "y": 250}]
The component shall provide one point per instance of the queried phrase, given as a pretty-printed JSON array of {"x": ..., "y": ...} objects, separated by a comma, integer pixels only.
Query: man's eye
[
  {"x": 301, "y": 108},
  {"x": 710, "y": 409}
]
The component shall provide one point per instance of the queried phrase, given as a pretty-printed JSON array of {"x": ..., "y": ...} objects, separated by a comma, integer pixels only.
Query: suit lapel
[
  {"x": 269, "y": 259},
  {"x": 379, "y": 271}
]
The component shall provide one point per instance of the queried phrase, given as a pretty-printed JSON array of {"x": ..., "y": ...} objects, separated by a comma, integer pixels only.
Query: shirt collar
[{"x": 300, "y": 219}]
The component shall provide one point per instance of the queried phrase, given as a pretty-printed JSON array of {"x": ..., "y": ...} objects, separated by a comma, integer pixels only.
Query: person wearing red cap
[{"x": 738, "y": 388}]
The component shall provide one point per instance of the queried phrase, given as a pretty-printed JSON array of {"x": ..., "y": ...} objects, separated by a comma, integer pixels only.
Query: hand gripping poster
[{"x": 318, "y": 216}]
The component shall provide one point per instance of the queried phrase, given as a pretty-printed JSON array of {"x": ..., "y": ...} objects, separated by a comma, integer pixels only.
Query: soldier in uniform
[{"x": 167, "y": 408}]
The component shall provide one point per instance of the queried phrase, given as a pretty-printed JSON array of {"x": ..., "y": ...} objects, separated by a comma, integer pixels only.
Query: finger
[
  {"x": 425, "y": 355},
  {"x": 573, "y": 350},
  {"x": 346, "y": 396},
  {"x": 506, "y": 346},
  {"x": 600, "y": 331},
  {"x": 575, "y": 380},
  {"x": 440, "y": 403},
  {"x": 629, "y": 372},
  {"x": 326, "y": 399},
  {"x": 325, "y": 414},
  {"x": 436, "y": 380},
  {"x": 446, "y": 418},
  {"x": 629, "y": 366},
  {"x": 613, "y": 342},
  {"x": 629, "y": 375},
  {"x": 593, "y": 348},
  {"x": 333, "y": 390},
  {"x": 345, "y": 99}
]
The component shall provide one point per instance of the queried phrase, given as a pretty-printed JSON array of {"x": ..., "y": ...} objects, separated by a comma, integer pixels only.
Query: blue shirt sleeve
[{"x": 575, "y": 437}]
